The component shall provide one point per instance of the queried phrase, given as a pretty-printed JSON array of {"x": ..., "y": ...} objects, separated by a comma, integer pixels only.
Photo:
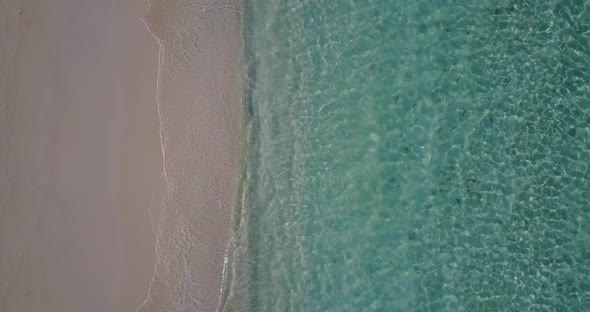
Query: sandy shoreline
[
  {"x": 201, "y": 113},
  {"x": 79, "y": 155},
  {"x": 81, "y": 143}
]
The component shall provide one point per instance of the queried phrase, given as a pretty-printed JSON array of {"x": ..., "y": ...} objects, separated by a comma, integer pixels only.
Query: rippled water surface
[{"x": 420, "y": 155}]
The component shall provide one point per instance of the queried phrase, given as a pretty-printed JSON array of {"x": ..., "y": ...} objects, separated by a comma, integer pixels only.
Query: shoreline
[{"x": 202, "y": 117}]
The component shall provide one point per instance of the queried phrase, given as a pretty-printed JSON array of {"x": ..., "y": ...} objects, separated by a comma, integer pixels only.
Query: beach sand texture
[
  {"x": 79, "y": 155},
  {"x": 200, "y": 96},
  {"x": 81, "y": 179}
]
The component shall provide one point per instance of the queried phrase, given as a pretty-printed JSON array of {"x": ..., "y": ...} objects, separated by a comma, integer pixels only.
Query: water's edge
[
  {"x": 235, "y": 293},
  {"x": 203, "y": 136}
]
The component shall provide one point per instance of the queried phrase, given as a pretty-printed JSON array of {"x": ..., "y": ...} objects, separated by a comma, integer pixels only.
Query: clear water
[{"x": 421, "y": 155}]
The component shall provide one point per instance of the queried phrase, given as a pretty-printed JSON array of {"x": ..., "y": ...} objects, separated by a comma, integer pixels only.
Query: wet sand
[
  {"x": 200, "y": 103},
  {"x": 80, "y": 155}
]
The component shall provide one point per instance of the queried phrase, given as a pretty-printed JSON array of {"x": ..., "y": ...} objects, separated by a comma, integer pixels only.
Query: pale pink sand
[
  {"x": 79, "y": 154},
  {"x": 200, "y": 101}
]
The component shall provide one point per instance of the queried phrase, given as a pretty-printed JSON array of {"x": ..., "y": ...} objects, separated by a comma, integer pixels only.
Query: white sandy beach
[
  {"x": 91, "y": 155},
  {"x": 79, "y": 155}
]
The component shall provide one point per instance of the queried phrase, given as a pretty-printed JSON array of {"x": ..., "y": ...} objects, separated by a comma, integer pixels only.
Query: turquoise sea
[{"x": 423, "y": 155}]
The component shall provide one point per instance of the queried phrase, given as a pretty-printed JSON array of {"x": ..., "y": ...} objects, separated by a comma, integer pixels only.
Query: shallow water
[{"x": 416, "y": 156}]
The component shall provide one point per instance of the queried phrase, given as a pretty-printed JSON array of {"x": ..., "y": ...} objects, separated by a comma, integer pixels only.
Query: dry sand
[{"x": 79, "y": 154}]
